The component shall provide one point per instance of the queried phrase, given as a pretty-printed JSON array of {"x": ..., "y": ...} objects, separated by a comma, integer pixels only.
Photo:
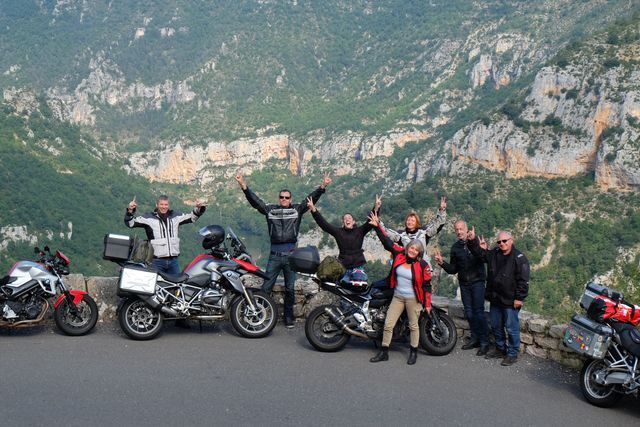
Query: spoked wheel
[
  {"x": 76, "y": 320},
  {"x": 438, "y": 334},
  {"x": 138, "y": 320},
  {"x": 254, "y": 323},
  {"x": 604, "y": 396},
  {"x": 322, "y": 332}
]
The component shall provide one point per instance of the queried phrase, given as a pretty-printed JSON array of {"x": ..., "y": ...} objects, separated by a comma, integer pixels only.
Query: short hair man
[
  {"x": 507, "y": 287},
  {"x": 471, "y": 277},
  {"x": 161, "y": 227},
  {"x": 283, "y": 221}
]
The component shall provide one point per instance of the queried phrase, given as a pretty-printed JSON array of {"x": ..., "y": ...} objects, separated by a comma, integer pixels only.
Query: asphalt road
[{"x": 216, "y": 378}]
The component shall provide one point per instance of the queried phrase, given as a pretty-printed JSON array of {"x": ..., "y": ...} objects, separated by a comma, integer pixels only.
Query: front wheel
[
  {"x": 254, "y": 323},
  {"x": 603, "y": 396},
  {"x": 438, "y": 334},
  {"x": 138, "y": 320},
  {"x": 76, "y": 320},
  {"x": 323, "y": 333}
]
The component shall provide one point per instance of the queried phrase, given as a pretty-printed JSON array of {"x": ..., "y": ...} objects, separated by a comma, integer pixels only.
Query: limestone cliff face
[
  {"x": 574, "y": 119},
  {"x": 106, "y": 85},
  {"x": 184, "y": 162}
]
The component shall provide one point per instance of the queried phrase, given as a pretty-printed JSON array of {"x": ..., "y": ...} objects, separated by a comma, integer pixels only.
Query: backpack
[
  {"x": 142, "y": 251},
  {"x": 330, "y": 270}
]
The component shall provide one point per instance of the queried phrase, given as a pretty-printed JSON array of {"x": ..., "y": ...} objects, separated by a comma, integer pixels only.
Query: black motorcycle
[{"x": 361, "y": 312}]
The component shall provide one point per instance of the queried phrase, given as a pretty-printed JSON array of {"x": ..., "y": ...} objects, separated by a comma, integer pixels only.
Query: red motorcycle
[{"x": 210, "y": 288}]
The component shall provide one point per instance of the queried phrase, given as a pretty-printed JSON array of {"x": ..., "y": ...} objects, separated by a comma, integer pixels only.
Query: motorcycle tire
[
  {"x": 604, "y": 396},
  {"x": 80, "y": 324},
  {"x": 322, "y": 333},
  {"x": 256, "y": 324},
  {"x": 438, "y": 339},
  {"x": 139, "y": 321}
]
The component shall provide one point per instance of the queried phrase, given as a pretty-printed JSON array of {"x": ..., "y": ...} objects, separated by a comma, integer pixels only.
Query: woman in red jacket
[{"x": 410, "y": 277}]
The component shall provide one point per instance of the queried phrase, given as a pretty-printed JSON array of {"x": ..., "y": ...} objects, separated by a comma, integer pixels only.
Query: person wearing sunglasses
[
  {"x": 507, "y": 286},
  {"x": 283, "y": 222}
]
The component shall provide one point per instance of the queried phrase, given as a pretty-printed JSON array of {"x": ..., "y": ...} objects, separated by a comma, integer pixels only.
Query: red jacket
[{"x": 420, "y": 270}]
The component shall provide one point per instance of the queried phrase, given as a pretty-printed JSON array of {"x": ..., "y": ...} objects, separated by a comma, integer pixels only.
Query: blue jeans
[
  {"x": 472, "y": 295},
  {"x": 501, "y": 318},
  {"x": 356, "y": 273},
  {"x": 166, "y": 265},
  {"x": 276, "y": 264}
]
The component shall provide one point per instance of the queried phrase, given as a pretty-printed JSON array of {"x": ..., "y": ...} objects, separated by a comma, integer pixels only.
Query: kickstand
[{"x": 200, "y": 322}]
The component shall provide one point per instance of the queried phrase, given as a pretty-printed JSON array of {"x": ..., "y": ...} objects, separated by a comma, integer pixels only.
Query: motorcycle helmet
[{"x": 213, "y": 236}]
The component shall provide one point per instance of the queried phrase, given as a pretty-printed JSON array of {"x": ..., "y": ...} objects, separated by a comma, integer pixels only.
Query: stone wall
[{"x": 540, "y": 337}]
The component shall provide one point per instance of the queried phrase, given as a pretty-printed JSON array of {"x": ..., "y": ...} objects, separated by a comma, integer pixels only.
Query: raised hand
[
  {"x": 483, "y": 243},
  {"x": 378, "y": 203},
  {"x": 132, "y": 205},
  {"x": 443, "y": 203},
  {"x": 326, "y": 180},
  {"x": 471, "y": 234},
  {"x": 240, "y": 180},
  {"x": 438, "y": 257},
  {"x": 373, "y": 219},
  {"x": 311, "y": 205},
  {"x": 200, "y": 203}
]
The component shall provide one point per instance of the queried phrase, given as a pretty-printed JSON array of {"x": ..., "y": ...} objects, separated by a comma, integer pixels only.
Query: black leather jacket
[
  {"x": 283, "y": 223},
  {"x": 469, "y": 268},
  {"x": 508, "y": 275}
]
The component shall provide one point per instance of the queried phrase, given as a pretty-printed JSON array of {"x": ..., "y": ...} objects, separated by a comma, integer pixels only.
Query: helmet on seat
[{"x": 213, "y": 236}]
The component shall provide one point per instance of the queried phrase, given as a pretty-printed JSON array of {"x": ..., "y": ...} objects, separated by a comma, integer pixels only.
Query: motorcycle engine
[
  {"x": 29, "y": 309},
  {"x": 211, "y": 297}
]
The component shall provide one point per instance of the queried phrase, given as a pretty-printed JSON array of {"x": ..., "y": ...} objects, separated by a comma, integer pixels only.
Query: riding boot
[
  {"x": 413, "y": 354},
  {"x": 382, "y": 355}
]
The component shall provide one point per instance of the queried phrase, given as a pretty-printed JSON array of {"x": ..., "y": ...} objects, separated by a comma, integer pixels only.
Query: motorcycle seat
[
  {"x": 629, "y": 337},
  {"x": 174, "y": 278}
]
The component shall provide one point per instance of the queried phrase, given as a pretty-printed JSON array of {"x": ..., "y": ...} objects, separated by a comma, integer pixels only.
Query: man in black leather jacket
[
  {"x": 283, "y": 221},
  {"x": 471, "y": 276},
  {"x": 508, "y": 273}
]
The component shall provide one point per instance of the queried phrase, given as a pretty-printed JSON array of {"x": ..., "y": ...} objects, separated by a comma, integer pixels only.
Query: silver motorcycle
[{"x": 612, "y": 349}]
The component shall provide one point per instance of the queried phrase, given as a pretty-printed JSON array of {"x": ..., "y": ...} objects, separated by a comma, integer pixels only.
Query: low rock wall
[{"x": 539, "y": 336}]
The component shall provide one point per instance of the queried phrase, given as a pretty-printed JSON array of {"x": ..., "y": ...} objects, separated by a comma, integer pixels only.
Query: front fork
[
  {"x": 248, "y": 296},
  {"x": 73, "y": 297}
]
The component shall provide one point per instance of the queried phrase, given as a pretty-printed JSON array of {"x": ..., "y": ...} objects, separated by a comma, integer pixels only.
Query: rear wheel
[
  {"x": 254, "y": 323},
  {"x": 138, "y": 320},
  {"x": 438, "y": 334},
  {"x": 604, "y": 396},
  {"x": 76, "y": 320},
  {"x": 323, "y": 333}
]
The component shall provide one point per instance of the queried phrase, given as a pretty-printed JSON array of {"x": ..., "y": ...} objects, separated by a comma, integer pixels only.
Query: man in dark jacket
[
  {"x": 471, "y": 276},
  {"x": 283, "y": 221},
  {"x": 507, "y": 287},
  {"x": 161, "y": 227}
]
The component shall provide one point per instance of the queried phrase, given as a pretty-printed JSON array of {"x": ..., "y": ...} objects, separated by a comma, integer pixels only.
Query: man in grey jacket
[
  {"x": 283, "y": 221},
  {"x": 161, "y": 227}
]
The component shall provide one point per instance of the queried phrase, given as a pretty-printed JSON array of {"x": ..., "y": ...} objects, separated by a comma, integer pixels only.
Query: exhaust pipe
[
  {"x": 155, "y": 304},
  {"x": 340, "y": 323},
  {"x": 27, "y": 323}
]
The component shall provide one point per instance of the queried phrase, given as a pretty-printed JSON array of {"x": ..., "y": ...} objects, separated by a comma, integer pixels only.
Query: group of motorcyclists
[{"x": 410, "y": 274}]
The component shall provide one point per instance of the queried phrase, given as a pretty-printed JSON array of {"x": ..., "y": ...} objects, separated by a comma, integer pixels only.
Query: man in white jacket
[{"x": 161, "y": 227}]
